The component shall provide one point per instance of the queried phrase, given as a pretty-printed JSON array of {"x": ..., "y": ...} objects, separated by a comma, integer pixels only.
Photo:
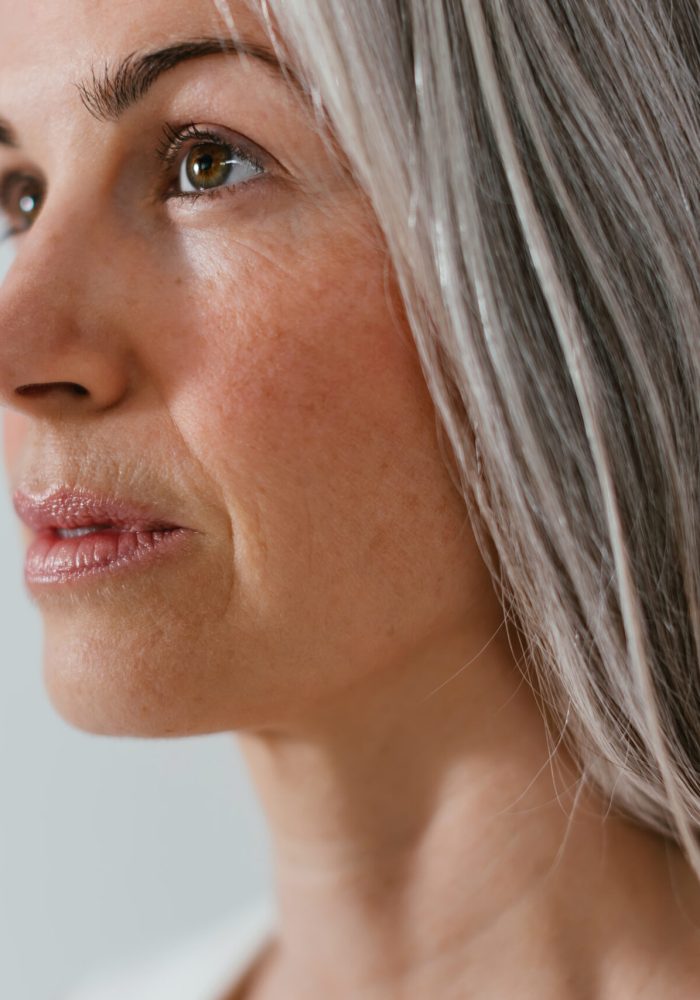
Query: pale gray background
[{"x": 110, "y": 849}]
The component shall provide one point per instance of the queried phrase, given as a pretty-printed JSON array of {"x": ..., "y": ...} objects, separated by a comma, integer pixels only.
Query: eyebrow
[{"x": 107, "y": 95}]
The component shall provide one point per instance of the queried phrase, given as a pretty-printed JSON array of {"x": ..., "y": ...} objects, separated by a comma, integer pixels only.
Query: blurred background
[{"x": 110, "y": 849}]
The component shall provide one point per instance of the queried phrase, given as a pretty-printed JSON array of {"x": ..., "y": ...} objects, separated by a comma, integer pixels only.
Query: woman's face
[{"x": 246, "y": 373}]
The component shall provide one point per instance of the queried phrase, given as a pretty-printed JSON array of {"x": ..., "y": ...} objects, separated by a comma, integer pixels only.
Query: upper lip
[{"x": 65, "y": 509}]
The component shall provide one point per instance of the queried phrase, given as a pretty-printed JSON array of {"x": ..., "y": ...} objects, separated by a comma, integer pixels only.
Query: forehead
[{"x": 46, "y": 46}]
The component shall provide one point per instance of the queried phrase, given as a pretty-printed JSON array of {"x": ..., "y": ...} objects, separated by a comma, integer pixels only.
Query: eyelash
[{"x": 175, "y": 138}]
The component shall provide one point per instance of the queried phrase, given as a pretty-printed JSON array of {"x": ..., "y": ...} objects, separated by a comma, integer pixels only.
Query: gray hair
[{"x": 533, "y": 165}]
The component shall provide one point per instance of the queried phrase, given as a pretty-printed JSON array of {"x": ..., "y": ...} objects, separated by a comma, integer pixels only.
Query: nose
[{"x": 60, "y": 350}]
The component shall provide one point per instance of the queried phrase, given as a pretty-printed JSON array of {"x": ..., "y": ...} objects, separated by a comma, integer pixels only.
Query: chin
[{"x": 118, "y": 683}]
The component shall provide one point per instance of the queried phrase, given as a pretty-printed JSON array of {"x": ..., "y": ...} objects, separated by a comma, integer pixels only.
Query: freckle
[{"x": 178, "y": 281}]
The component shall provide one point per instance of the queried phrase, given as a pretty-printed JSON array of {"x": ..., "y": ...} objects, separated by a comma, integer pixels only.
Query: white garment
[{"x": 206, "y": 967}]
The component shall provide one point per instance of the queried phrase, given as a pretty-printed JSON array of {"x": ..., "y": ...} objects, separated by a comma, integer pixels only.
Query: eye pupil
[
  {"x": 208, "y": 166},
  {"x": 28, "y": 204}
]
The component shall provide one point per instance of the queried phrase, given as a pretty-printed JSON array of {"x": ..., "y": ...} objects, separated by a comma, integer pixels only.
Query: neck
[{"x": 423, "y": 830}]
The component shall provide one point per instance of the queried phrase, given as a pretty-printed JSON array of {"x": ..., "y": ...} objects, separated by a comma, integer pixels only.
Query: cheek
[
  {"x": 308, "y": 380},
  {"x": 295, "y": 346},
  {"x": 307, "y": 405}
]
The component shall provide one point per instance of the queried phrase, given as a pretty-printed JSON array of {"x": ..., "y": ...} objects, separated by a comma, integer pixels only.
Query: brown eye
[
  {"x": 20, "y": 200},
  {"x": 210, "y": 165}
]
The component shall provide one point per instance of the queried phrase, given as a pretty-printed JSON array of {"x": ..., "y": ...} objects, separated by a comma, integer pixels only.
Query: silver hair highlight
[{"x": 533, "y": 165}]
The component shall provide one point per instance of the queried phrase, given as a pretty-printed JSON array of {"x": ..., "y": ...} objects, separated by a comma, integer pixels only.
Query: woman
[{"x": 351, "y": 354}]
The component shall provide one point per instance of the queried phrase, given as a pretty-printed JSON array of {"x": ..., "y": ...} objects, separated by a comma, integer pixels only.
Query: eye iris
[{"x": 208, "y": 166}]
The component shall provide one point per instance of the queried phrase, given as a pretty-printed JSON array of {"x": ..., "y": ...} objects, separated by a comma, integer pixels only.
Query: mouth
[
  {"x": 78, "y": 535},
  {"x": 82, "y": 532}
]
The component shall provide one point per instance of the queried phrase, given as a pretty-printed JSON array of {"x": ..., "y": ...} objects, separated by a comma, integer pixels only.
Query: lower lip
[{"x": 54, "y": 560}]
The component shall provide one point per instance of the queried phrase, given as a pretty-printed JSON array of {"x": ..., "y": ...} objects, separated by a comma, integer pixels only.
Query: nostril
[{"x": 41, "y": 388}]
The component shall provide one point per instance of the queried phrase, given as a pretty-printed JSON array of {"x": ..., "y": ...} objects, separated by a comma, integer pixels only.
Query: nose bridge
[{"x": 58, "y": 347}]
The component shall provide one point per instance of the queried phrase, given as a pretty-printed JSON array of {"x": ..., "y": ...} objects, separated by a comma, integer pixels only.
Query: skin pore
[{"x": 249, "y": 371}]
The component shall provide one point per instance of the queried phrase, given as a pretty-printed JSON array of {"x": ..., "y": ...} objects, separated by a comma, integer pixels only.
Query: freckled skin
[{"x": 249, "y": 366}]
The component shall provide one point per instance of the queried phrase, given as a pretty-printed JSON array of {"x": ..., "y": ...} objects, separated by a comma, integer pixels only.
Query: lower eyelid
[{"x": 232, "y": 190}]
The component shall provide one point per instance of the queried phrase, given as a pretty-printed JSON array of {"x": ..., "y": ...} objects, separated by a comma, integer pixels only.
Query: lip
[{"x": 124, "y": 533}]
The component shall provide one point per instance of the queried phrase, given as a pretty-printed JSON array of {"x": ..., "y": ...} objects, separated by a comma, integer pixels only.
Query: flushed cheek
[
  {"x": 310, "y": 408},
  {"x": 292, "y": 376},
  {"x": 291, "y": 318},
  {"x": 318, "y": 360}
]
